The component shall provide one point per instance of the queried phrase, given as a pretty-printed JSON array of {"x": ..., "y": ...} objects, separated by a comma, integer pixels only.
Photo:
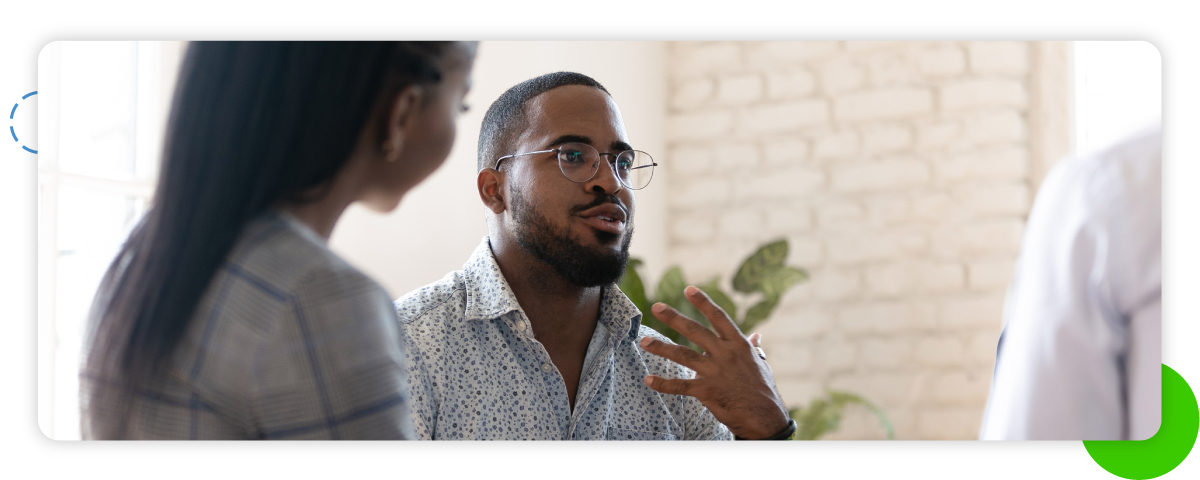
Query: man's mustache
[{"x": 602, "y": 199}]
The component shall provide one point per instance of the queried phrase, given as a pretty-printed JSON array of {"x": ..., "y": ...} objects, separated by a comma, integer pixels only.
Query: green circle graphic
[{"x": 1157, "y": 455}]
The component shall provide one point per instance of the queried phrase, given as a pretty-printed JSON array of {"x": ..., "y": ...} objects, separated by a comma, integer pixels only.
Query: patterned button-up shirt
[{"x": 477, "y": 372}]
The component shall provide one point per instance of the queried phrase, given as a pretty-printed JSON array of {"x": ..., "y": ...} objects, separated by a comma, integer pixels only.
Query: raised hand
[{"x": 732, "y": 381}]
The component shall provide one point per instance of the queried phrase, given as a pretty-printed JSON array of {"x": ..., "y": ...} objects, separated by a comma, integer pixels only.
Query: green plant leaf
[
  {"x": 670, "y": 288},
  {"x": 824, "y": 415},
  {"x": 756, "y": 314},
  {"x": 755, "y": 268},
  {"x": 776, "y": 282},
  {"x": 846, "y": 398},
  {"x": 843, "y": 397},
  {"x": 713, "y": 289},
  {"x": 820, "y": 418}
]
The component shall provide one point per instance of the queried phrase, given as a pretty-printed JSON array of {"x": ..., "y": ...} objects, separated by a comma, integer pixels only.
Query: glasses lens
[
  {"x": 578, "y": 161},
  {"x": 635, "y": 168}
]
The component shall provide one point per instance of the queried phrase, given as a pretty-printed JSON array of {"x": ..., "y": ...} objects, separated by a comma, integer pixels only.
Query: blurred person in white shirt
[{"x": 1081, "y": 352}]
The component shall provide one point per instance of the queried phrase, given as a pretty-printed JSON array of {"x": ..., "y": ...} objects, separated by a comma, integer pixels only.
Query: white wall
[{"x": 440, "y": 222}]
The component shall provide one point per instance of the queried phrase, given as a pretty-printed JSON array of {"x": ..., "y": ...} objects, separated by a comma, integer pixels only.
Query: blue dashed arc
[{"x": 12, "y": 114}]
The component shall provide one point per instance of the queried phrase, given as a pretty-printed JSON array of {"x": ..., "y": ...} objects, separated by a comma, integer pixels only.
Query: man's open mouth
[{"x": 608, "y": 217}]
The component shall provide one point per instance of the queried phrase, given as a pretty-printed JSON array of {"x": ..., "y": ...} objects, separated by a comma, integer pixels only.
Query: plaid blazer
[{"x": 288, "y": 342}]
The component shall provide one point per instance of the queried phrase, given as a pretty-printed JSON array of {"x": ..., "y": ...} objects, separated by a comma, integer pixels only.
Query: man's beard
[{"x": 578, "y": 264}]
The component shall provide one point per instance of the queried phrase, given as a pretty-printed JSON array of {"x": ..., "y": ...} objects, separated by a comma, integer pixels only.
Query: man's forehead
[{"x": 573, "y": 110}]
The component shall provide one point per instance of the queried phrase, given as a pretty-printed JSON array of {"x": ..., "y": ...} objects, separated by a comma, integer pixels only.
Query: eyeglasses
[{"x": 579, "y": 162}]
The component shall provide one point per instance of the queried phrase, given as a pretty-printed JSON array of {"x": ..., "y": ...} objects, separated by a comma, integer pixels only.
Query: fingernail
[
  {"x": 644, "y": 341},
  {"x": 647, "y": 381},
  {"x": 692, "y": 290},
  {"x": 659, "y": 307}
]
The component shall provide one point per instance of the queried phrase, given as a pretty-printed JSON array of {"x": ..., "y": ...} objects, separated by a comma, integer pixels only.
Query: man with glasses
[{"x": 533, "y": 339}]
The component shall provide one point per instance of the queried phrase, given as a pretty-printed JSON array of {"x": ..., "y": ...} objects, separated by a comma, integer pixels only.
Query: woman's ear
[
  {"x": 401, "y": 118},
  {"x": 490, "y": 183}
]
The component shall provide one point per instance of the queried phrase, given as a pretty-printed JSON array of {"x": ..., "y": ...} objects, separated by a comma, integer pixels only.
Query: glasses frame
[{"x": 611, "y": 164}]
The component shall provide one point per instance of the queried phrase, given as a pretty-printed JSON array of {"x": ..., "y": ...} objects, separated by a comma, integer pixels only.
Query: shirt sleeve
[
  {"x": 424, "y": 399},
  {"x": 333, "y": 367},
  {"x": 1058, "y": 370},
  {"x": 701, "y": 424}
]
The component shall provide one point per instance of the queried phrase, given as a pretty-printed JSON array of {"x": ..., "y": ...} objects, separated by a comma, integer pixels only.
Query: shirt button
[
  {"x": 521, "y": 326},
  {"x": 546, "y": 367}
]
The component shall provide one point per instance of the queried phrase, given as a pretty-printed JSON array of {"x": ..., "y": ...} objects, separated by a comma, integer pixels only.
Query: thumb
[{"x": 755, "y": 339}]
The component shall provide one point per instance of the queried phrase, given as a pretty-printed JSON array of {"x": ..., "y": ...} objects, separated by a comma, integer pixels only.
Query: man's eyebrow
[
  {"x": 617, "y": 146},
  {"x": 570, "y": 139}
]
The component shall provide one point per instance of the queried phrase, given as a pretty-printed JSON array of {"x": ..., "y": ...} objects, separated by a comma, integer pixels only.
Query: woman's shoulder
[
  {"x": 286, "y": 260},
  {"x": 277, "y": 286},
  {"x": 277, "y": 298}
]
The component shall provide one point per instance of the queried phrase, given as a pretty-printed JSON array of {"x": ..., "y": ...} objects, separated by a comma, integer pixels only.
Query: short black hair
[{"x": 505, "y": 118}]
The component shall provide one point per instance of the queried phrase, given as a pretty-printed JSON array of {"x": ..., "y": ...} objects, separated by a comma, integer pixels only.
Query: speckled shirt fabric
[{"x": 478, "y": 373}]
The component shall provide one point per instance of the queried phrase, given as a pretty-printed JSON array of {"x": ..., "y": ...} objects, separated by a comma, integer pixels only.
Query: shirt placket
[
  {"x": 595, "y": 376},
  {"x": 543, "y": 367},
  {"x": 599, "y": 371}
]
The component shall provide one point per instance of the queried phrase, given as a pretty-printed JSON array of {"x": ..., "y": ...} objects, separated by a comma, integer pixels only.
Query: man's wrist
[{"x": 787, "y": 433}]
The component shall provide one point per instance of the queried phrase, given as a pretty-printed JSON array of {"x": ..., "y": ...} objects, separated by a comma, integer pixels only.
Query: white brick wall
[{"x": 900, "y": 174}]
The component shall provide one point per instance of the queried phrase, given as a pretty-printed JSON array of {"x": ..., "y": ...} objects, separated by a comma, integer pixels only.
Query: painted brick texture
[{"x": 899, "y": 172}]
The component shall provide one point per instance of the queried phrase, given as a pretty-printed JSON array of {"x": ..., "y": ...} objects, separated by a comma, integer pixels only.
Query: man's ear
[{"x": 490, "y": 183}]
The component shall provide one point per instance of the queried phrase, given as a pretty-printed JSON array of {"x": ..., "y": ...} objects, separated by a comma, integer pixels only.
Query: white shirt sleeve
[{"x": 1080, "y": 355}]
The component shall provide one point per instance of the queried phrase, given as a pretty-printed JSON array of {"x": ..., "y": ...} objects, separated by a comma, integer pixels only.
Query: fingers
[
  {"x": 686, "y": 326},
  {"x": 674, "y": 386},
  {"x": 756, "y": 341},
  {"x": 676, "y": 353},
  {"x": 717, "y": 317}
]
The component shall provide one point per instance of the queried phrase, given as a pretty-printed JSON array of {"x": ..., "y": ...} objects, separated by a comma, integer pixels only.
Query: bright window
[
  {"x": 105, "y": 106},
  {"x": 1118, "y": 89}
]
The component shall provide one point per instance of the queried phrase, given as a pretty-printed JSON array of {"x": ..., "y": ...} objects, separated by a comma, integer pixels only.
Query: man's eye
[{"x": 572, "y": 156}]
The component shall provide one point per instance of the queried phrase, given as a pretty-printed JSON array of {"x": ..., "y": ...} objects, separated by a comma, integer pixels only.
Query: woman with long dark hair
[{"x": 225, "y": 315}]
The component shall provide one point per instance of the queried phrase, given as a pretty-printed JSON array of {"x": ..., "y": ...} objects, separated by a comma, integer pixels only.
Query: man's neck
[{"x": 555, "y": 307}]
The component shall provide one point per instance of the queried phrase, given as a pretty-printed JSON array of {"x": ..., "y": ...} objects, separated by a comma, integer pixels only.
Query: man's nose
[{"x": 605, "y": 178}]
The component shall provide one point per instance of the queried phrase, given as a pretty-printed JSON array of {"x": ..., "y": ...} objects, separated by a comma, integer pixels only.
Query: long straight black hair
[{"x": 252, "y": 125}]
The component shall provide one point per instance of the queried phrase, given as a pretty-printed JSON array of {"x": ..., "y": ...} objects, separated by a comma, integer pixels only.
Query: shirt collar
[
  {"x": 488, "y": 293},
  {"x": 489, "y": 296}
]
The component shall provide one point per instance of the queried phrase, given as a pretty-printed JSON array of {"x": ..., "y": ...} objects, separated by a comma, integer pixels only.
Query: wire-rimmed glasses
[{"x": 579, "y": 162}]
